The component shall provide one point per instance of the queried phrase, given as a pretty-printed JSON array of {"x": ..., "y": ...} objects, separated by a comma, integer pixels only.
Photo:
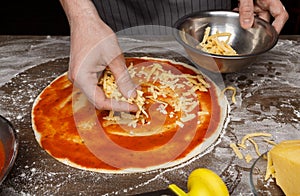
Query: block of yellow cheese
[{"x": 284, "y": 165}]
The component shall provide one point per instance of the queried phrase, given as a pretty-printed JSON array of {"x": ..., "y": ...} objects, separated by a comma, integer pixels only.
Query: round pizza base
[{"x": 222, "y": 122}]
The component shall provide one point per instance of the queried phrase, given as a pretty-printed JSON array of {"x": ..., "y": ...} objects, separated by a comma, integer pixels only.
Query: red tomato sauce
[
  {"x": 57, "y": 127},
  {"x": 2, "y": 156}
]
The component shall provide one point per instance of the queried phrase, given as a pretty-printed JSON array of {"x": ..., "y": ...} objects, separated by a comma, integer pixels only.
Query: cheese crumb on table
[{"x": 250, "y": 137}]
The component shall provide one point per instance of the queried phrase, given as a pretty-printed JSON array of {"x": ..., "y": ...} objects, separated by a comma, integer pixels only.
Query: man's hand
[
  {"x": 264, "y": 9},
  {"x": 93, "y": 47}
]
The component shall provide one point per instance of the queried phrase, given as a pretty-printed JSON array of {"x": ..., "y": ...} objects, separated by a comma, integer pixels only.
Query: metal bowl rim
[
  {"x": 229, "y": 57},
  {"x": 15, "y": 147}
]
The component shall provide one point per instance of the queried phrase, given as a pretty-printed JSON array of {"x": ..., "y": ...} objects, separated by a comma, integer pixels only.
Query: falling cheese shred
[{"x": 160, "y": 86}]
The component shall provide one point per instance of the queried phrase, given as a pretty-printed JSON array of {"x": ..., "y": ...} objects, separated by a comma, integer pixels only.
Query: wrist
[{"x": 80, "y": 11}]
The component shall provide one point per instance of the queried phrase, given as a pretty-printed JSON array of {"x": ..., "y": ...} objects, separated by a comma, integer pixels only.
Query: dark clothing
[{"x": 123, "y": 14}]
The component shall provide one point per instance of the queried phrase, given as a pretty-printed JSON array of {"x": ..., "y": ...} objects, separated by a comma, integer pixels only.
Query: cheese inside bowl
[{"x": 248, "y": 43}]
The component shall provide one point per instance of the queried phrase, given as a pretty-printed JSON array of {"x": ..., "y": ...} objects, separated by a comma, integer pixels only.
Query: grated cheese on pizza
[{"x": 159, "y": 86}]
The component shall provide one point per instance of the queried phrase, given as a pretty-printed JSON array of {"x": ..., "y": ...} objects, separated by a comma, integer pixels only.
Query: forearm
[{"x": 80, "y": 11}]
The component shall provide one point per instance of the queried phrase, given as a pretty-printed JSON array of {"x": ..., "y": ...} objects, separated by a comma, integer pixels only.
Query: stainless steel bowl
[
  {"x": 8, "y": 138},
  {"x": 248, "y": 43}
]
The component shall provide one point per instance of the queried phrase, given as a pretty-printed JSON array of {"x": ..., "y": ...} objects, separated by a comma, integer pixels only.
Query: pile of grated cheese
[
  {"x": 175, "y": 91},
  {"x": 212, "y": 44}
]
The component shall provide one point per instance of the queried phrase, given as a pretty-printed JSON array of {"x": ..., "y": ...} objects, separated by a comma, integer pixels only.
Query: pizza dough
[{"x": 182, "y": 114}]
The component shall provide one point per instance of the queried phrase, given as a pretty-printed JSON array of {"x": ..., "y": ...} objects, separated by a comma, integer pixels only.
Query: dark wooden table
[{"x": 267, "y": 101}]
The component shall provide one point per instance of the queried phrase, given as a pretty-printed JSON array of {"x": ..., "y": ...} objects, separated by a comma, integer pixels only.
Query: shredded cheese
[
  {"x": 270, "y": 168},
  {"x": 270, "y": 142},
  {"x": 158, "y": 86},
  {"x": 233, "y": 94},
  {"x": 180, "y": 124},
  {"x": 212, "y": 43},
  {"x": 187, "y": 117},
  {"x": 250, "y": 137},
  {"x": 248, "y": 158},
  {"x": 255, "y": 146},
  {"x": 236, "y": 150}
]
